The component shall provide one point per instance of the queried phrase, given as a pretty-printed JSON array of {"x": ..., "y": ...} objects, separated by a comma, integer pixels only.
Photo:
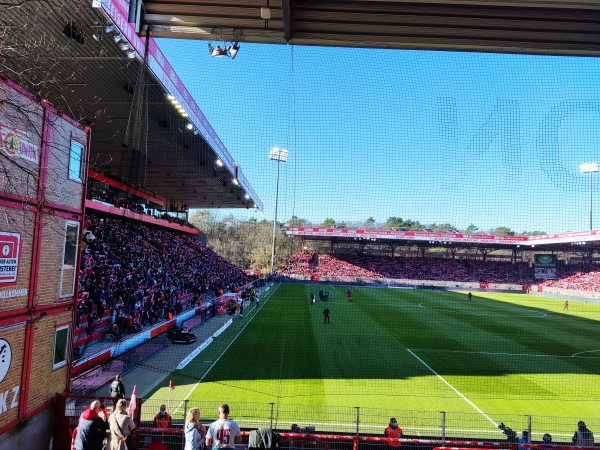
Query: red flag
[
  {"x": 132, "y": 403},
  {"x": 171, "y": 385}
]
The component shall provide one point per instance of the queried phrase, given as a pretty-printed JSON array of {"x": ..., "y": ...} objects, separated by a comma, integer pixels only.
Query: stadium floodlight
[
  {"x": 216, "y": 52},
  {"x": 226, "y": 50},
  {"x": 233, "y": 50},
  {"x": 590, "y": 168},
  {"x": 280, "y": 155}
]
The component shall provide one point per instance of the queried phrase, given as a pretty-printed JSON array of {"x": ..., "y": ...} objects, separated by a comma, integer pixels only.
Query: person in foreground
[
  {"x": 223, "y": 433},
  {"x": 121, "y": 426},
  {"x": 194, "y": 431},
  {"x": 91, "y": 429}
]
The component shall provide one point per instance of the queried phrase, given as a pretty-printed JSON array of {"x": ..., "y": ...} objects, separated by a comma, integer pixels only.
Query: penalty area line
[
  {"x": 587, "y": 351},
  {"x": 453, "y": 388},
  {"x": 222, "y": 353}
]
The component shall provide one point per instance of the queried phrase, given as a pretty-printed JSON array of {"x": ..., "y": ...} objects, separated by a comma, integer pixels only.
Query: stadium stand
[
  {"x": 573, "y": 278},
  {"x": 133, "y": 276},
  {"x": 429, "y": 268},
  {"x": 114, "y": 199}
]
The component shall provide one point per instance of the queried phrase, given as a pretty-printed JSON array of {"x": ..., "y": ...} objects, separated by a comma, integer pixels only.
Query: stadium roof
[
  {"x": 572, "y": 241},
  {"x": 62, "y": 52},
  {"x": 567, "y": 27}
]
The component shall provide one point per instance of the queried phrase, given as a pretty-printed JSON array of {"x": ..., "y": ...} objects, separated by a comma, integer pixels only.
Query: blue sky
[{"x": 438, "y": 137}]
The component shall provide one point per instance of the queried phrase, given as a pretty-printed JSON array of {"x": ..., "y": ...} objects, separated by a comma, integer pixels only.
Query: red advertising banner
[{"x": 575, "y": 237}]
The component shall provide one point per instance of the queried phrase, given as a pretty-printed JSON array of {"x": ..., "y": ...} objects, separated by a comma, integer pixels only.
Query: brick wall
[
  {"x": 30, "y": 315},
  {"x": 46, "y": 382},
  {"x": 15, "y": 337},
  {"x": 52, "y": 248},
  {"x": 61, "y": 190},
  {"x": 18, "y": 221},
  {"x": 21, "y": 119}
]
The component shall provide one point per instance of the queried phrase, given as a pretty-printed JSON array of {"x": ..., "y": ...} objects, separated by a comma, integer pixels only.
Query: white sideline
[
  {"x": 533, "y": 355},
  {"x": 454, "y": 389},
  {"x": 219, "y": 357},
  {"x": 587, "y": 351}
]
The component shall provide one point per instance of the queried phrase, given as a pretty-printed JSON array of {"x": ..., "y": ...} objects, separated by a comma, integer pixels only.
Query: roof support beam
[{"x": 286, "y": 12}]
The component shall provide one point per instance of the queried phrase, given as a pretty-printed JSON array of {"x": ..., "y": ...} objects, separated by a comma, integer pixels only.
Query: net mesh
[
  {"x": 435, "y": 137},
  {"x": 411, "y": 140}
]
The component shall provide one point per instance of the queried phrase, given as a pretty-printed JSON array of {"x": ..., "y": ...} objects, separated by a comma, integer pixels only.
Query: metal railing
[
  {"x": 340, "y": 428},
  {"x": 342, "y": 420}
]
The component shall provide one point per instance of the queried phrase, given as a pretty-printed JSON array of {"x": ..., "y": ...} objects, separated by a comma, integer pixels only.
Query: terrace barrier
[
  {"x": 173, "y": 439},
  {"x": 359, "y": 421},
  {"x": 337, "y": 428}
]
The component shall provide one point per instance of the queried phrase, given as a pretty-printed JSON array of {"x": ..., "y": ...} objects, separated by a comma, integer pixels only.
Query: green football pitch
[{"x": 400, "y": 349}]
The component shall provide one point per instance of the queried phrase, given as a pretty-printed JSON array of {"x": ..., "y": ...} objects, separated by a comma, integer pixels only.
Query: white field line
[
  {"x": 453, "y": 388},
  {"x": 497, "y": 353},
  {"x": 219, "y": 357},
  {"x": 474, "y": 312},
  {"x": 587, "y": 351}
]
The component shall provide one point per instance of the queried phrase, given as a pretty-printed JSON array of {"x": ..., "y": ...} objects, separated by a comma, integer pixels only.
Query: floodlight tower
[
  {"x": 280, "y": 155},
  {"x": 590, "y": 168}
]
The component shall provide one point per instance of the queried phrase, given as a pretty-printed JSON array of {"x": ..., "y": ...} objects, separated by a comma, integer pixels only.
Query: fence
[
  {"x": 336, "y": 428},
  {"x": 173, "y": 440},
  {"x": 356, "y": 421}
]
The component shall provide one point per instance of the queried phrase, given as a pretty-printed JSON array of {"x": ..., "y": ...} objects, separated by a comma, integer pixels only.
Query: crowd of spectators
[
  {"x": 352, "y": 265},
  {"x": 132, "y": 205},
  {"x": 139, "y": 274},
  {"x": 177, "y": 220},
  {"x": 576, "y": 278},
  {"x": 500, "y": 272},
  {"x": 429, "y": 268},
  {"x": 115, "y": 200}
]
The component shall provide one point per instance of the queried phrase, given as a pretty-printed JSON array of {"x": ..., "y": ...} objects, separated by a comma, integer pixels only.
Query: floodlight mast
[
  {"x": 280, "y": 155},
  {"x": 590, "y": 168}
]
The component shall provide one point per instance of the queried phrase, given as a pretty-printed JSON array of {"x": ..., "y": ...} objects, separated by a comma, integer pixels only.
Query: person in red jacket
[
  {"x": 91, "y": 429},
  {"x": 73, "y": 437},
  {"x": 393, "y": 431}
]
